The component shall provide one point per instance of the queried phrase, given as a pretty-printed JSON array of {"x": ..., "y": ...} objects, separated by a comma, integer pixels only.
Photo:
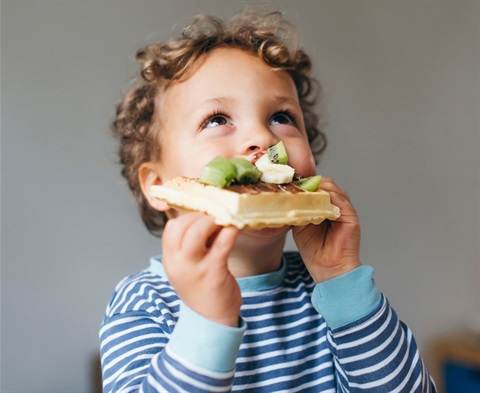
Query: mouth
[{"x": 253, "y": 158}]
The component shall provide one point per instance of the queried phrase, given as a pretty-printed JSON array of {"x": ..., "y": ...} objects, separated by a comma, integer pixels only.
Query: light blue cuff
[
  {"x": 347, "y": 298},
  {"x": 205, "y": 343}
]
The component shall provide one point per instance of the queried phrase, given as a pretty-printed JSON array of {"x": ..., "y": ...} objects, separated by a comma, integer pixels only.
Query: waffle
[{"x": 255, "y": 206}]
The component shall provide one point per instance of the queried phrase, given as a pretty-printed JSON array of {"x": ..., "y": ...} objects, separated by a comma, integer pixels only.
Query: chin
[{"x": 266, "y": 233}]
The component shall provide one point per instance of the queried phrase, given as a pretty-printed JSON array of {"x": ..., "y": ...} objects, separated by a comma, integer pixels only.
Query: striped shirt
[{"x": 294, "y": 336}]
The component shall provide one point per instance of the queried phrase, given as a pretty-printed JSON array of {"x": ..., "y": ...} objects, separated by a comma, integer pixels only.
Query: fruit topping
[
  {"x": 247, "y": 173},
  {"x": 219, "y": 172},
  {"x": 277, "y": 154},
  {"x": 309, "y": 183}
]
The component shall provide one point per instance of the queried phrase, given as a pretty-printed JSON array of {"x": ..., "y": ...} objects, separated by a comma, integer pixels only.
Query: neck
[{"x": 261, "y": 257}]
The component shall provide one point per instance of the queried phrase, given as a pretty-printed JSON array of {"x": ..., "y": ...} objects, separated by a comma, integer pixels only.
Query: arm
[
  {"x": 140, "y": 355},
  {"x": 373, "y": 351},
  {"x": 139, "y": 350}
]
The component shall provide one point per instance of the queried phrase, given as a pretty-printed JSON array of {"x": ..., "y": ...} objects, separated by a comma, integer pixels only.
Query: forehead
[{"x": 227, "y": 71}]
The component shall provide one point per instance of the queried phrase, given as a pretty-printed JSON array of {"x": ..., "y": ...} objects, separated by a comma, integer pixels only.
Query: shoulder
[{"x": 145, "y": 292}]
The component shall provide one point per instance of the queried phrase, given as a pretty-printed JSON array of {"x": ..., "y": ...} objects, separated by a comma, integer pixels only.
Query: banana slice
[
  {"x": 274, "y": 173},
  {"x": 277, "y": 174},
  {"x": 263, "y": 162}
]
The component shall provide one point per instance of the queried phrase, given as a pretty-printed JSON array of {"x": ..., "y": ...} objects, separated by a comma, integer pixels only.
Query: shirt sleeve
[
  {"x": 347, "y": 298},
  {"x": 373, "y": 351},
  {"x": 140, "y": 355},
  {"x": 205, "y": 343}
]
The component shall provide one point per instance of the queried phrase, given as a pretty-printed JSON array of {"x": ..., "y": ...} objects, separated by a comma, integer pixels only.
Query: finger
[
  {"x": 175, "y": 229},
  {"x": 327, "y": 184},
  {"x": 307, "y": 235},
  {"x": 223, "y": 243},
  {"x": 197, "y": 237},
  {"x": 347, "y": 211}
]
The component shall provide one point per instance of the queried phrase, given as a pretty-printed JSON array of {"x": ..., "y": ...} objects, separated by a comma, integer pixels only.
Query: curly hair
[{"x": 265, "y": 34}]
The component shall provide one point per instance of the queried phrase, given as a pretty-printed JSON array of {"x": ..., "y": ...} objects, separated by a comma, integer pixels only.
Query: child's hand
[
  {"x": 333, "y": 247},
  {"x": 195, "y": 254}
]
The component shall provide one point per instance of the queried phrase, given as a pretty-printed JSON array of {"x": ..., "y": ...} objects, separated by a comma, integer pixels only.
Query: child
[{"x": 224, "y": 309}]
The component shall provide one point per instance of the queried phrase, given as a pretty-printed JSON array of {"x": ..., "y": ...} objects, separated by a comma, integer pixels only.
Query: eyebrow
[
  {"x": 285, "y": 99},
  {"x": 229, "y": 100},
  {"x": 218, "y": 101}
]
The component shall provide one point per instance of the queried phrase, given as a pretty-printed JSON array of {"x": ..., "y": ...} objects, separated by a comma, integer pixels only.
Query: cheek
[
  {"x": 306, "y": 167},
  {"x": 176, "y": 161},
  {"x": 189, "y": 160},
  {"x": 303, "y": 161}
]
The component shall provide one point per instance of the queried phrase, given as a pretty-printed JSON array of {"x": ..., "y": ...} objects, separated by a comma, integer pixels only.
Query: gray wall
[{"x": 402, "y": 94}]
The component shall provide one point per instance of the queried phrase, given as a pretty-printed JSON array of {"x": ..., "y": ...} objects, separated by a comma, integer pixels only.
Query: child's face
[{"x": 231, "y": 104}]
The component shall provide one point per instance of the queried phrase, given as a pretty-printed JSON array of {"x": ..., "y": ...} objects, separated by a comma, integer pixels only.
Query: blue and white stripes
[
  {"x": 284, "y": 344},
  {"x": 379, "y": 354}
]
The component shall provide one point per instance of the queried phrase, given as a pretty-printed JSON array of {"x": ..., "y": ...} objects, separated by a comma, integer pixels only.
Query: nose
[{"x": 255, "y": 141}]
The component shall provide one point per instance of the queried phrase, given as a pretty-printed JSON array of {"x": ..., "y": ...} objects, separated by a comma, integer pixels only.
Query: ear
[{"x": 149, "y": 175}]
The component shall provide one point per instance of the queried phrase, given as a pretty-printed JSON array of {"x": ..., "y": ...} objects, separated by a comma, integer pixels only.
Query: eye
[
  {"x": 215, "y": 120},
  {"x": 283, "y": 117}
]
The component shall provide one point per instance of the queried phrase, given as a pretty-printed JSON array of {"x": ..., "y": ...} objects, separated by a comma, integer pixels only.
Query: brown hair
[{"x": 265, "y": 34}]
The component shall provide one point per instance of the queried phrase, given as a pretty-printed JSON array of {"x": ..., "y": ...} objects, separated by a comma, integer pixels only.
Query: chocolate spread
[{"x": 257, "y": 188}]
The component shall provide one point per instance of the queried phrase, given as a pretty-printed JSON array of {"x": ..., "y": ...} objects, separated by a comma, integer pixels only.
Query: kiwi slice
[
  {"x": 246, "y": 172},
  {"x": 277, "y": 154},
  {"x": 309, "y": 183},
  {"x": 219, "y": 172}
]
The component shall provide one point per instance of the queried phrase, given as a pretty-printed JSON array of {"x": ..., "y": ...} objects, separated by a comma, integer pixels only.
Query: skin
[{"x": 232, "y": 104}]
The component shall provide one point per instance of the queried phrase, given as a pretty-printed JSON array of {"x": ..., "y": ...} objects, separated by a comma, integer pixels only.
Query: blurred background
[{"x": 401, "y": 85}]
